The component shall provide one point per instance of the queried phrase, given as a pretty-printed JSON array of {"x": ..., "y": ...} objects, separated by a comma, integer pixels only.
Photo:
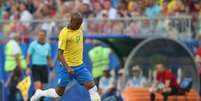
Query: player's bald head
[
  {"x": 76, "y": 16},
  {"x": 75, "y": 21}
]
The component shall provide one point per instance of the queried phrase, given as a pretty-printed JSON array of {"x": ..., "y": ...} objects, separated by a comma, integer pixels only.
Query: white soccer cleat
[
  {"x": 37, "y": 95},
  {"x": 95, "y": 97}
]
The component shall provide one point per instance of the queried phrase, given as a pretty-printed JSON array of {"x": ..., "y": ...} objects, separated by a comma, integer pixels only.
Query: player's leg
[
  {"x": 37, "y": 85},
  {"x": 64, "y": 79},
  {"x": 52, "y": 93},
  {"x": 59, "y": 90},
  {"x": 36, "y": 75},
  {"x": 84, "y": 77},
  {"x": 42, "y": 88},
  {"x": 43, "y": 85},
  {"x": 93, "y": 91},
  {"x": 44, "y": 79}
]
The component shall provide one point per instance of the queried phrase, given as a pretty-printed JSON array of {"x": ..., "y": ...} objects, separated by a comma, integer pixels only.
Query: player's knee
[
  {"x": 60, "y": 91},
  {"x": 89, "y": 84}
]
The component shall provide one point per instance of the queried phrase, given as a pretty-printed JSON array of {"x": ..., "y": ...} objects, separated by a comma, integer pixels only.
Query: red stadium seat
[{"x": 142, "y": 94}]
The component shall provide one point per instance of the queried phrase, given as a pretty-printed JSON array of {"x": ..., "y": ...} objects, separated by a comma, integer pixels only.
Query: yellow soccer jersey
[{"x": 71, "y": 41}]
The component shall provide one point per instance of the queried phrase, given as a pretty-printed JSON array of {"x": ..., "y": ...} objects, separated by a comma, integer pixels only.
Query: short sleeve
[
  {"x": 31, "y": 48},
  {"x": 62, "y": 39}
]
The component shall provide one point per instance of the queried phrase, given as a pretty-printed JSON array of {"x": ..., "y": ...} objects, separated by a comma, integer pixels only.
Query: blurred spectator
[
  {"x": 198, "y": 62},
  {"x": 115, "y": 3},
  {"x": 142, "y": 4},
  {"x": 30, "y": 6},
  {"x": 160, "y": 2},
  {"x": 163, "y": 27},
  {"x": 8, "y": 4},
  {"x": 25, "y": 15},
  {"x": 152, "y": 9},
  {"x": 15, "y": 13},
  {"x": 165, "y": 83},
  {"x": 96, "y": 6},
  {"x": 1, "y": 10},
  {"x": 193, "y": 5},
  {"x": 122, "y": 10},
  {"x": 179, "y": 7},
  {"x": 133, "y": 28},
  {"x": 107, "y": 7},
  {"x": 117, "y": 27},
  {"x": 7, "y": 26},
  {"x": 106, "y": 85},
  {"x": 93, "y": 27},
  {"x": 113, "y": 8},
  {"x": 137, "y": 80},
  {"x": 164, "y": 8},
  {"x": 120, "y": 81},
  {"x": 197, "y": 21},
  {"x": 14, "y": 64},
  {"x": 66, "y": 8},
  {"x": 135, "y": 9},
  {"x": 176, "y": 7},
  {"x": 17, "y": 26},
  {"x": 147, "y": 27},
  {"x": 106, "y": 25},
  {"x": 48, "y": 26},
  {"x": 84, "y": 8}
]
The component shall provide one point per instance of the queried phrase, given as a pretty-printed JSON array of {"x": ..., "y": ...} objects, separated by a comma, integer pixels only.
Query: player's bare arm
[
  {"x": 63, "y": 61},
  {"x": 50, "y": 62}
]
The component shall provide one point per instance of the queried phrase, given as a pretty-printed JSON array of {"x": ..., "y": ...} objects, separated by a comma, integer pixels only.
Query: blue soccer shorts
[{"x": 81, "y": 75}]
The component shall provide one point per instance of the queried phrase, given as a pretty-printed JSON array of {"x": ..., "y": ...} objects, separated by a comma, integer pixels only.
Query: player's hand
[{"x": 70, "y": 70}]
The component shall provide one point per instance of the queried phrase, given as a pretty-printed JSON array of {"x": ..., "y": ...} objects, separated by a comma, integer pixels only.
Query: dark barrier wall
[{"x": 170, "y": 52}]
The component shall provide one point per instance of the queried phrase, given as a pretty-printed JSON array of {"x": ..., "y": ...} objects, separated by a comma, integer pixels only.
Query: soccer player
[{"x": 70, "y": 54}]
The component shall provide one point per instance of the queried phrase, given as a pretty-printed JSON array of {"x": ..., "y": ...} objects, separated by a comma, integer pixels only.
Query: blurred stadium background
[{"x": 138, "y": 32}]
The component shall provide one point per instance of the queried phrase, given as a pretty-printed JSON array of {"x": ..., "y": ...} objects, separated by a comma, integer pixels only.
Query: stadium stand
[{"x": 142, "y": 94}]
